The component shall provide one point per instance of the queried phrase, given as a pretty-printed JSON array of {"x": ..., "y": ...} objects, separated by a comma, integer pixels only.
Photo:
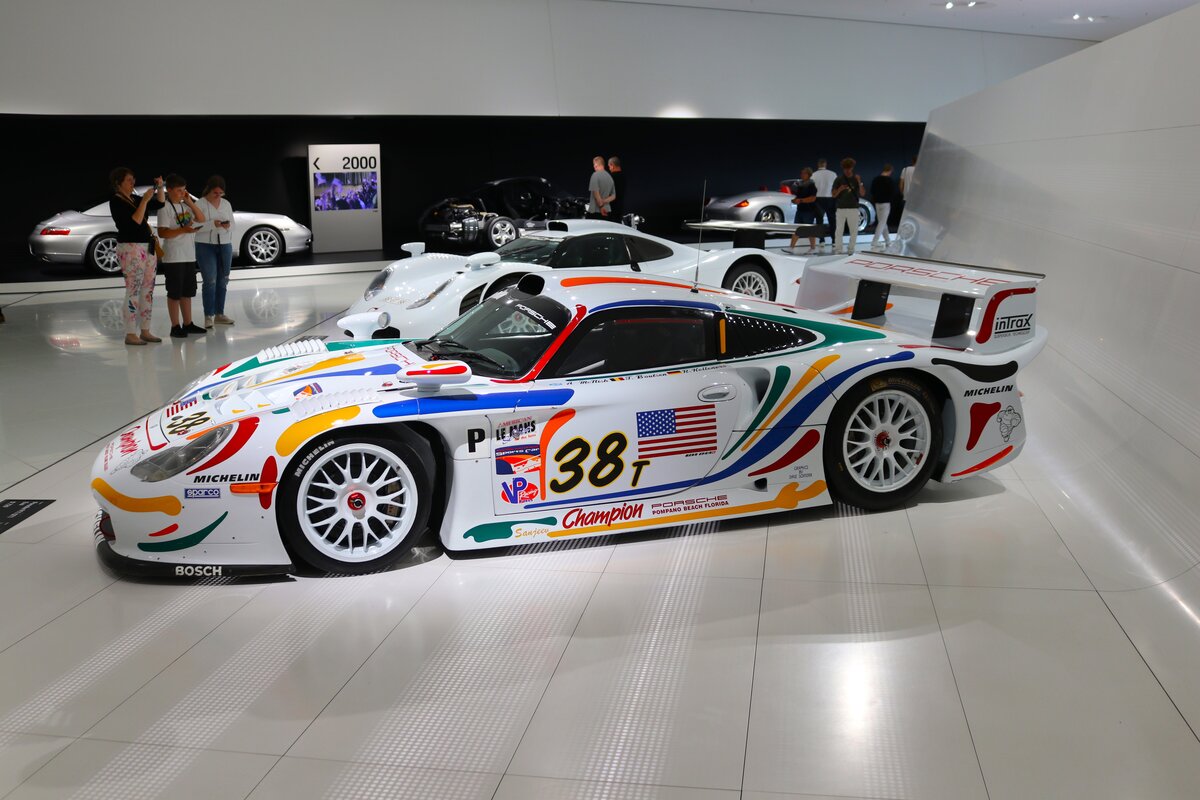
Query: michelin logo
[
  {"x": 1008, "y": 387},
  {"x": 206, "y": 493}
]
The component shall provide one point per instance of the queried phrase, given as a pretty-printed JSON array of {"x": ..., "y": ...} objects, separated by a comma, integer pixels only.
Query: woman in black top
[{"x": 135, "y": 250}]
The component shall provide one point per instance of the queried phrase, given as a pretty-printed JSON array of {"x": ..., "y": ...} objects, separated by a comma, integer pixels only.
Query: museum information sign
[{"x": 345, "y": 194}]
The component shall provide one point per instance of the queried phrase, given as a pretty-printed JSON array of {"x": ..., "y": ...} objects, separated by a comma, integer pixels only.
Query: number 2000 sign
[{"x": 608, "y": 466}]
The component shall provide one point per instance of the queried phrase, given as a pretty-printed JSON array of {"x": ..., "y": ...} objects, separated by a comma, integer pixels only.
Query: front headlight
[
  {"x": 170, "y": 463},
  {"x": 377, "y": 283},
  {"x": 430, "y": 296}
]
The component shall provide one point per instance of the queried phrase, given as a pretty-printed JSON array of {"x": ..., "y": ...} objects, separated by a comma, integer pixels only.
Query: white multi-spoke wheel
[
  {"x": 750, "y": 277},
  {"x": 501, "y": 231},
  {"x": 101, "y": 254},
  {"x": 882, "y": 441},
  {"x": 357, "y": 505},
  {"x": 262, "y": 246}
]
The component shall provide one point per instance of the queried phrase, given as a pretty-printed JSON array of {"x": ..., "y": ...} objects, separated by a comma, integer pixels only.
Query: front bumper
[{"x": 125, "y": 566}]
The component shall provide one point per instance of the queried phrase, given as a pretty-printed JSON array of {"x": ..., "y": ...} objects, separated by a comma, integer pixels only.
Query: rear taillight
[
  {"x": 783, "y": 187},
  {"x": 56, "y": 231},
  {"x": 742, "y": 204}
]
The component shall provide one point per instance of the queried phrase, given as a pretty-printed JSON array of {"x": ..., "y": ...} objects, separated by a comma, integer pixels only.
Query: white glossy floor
[{"x": 1034, "y": 634}]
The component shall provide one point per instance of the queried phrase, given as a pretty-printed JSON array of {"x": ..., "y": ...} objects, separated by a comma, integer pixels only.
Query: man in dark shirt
[
  {"x": 805, "y": 198},
  {"x": 883, "y": 191},
  {"x": 846, "y": 190},
  {"x": 618, "y": 205}
]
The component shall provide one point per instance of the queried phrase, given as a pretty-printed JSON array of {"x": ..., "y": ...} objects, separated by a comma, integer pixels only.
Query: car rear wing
[{"x": 985, "y": 309}]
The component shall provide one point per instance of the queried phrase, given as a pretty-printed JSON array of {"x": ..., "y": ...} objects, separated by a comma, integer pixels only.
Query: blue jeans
[{"x": 215, "y": 261}]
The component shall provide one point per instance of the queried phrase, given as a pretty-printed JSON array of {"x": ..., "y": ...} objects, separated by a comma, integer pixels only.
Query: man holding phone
[{"x": 178, "y": 222}]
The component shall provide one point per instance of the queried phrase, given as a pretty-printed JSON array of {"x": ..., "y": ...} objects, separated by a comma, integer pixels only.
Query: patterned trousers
[{"x": 138, "y": 264}]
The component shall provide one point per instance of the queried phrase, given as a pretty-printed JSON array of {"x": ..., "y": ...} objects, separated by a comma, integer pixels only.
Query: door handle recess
[{"x": 722, "y": 391}]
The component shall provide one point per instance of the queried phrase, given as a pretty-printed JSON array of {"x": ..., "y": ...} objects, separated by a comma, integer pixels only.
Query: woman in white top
[{"x": 214, "y": 250}]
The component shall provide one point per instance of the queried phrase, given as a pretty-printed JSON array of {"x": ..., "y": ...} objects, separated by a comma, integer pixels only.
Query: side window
[
  {"x": 752, "y": 336},
  {"x": 644, "y": 250},
  {"x": 632, "y": 339},
  {"x": 597, "y": 250}
]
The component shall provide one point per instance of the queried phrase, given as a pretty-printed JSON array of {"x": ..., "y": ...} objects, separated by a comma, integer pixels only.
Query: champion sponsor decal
[
  {"x": 516, "y": 430},
  {"x": 203, "y": 493},
  {"x": 519, "y": 490},
  {"x": 577, "y": 517},
  {"x": 688, "y": 430},
  {"x": 690, "y": 504},
  {"x": 1008, "y": 387},
  {"x": 1013, "y": 324},
  {"x": 1008, "y": 420},
  {"x": 246, "y": 477},
  {"x": 518, "y": 459}
]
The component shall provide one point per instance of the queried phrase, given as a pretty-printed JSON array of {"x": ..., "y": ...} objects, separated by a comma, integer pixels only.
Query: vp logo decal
[{"x": 518, "y": 490}]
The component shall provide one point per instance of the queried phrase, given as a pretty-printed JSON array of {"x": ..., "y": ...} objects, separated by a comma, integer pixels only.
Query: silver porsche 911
[
  {"x": 765, "y": 205},
  {"x": 90, "y": 237}
]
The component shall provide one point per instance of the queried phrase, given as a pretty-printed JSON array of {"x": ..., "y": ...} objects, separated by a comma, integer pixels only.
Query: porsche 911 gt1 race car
[
  {"x": 577, "y": 404},
  {"x": 422, "y": 294}
]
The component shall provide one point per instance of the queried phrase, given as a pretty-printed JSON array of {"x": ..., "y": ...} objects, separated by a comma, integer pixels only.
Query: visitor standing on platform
[
  {"x": 882, "y": 193},
  {"x": 618, "y": 204},
  {"x": 214, "y": 250},
  {"x": 601, "y": 191},
  {"x": 135, "y": 250},
  {"x": 806, "y": 208},
  {"x": 846, "y": 190},
  {"x": 824, "y": 178},
  {"x": 178, "y": 223}
]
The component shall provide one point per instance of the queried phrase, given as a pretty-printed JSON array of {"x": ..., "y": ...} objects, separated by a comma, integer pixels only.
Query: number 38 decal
[
  {"x": 607, "y": 466},
  {"x": 181, "y": 426}
]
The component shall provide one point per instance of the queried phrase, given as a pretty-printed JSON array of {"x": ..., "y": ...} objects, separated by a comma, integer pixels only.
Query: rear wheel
[
  {"x": 101, "y": 255},
  {"x": 353, "y": 505},
  {"x": 881, "y": 442},
  {"x": 769, "y": 214},
  {"x": 749, "y": 277}
]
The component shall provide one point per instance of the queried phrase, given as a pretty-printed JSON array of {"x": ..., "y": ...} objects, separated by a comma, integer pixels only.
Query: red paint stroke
[
  {"x": 268, "y": 475},
  {"x": 807, "y": 442},
  {"x": 981, "y": 415},
  {"x": 148, "y": 439},
  {"x": 985, "y": 463},
  {"x": 580, "y": 311},
  {"x": 989, "y": 316},
  {"x": 219, "y": 369},
  {"x": 166, "y": 530},
  {"x": 453, "y": 369},
  {"x": 241, "y": 434},
  {"x": 552, "y": 426}
]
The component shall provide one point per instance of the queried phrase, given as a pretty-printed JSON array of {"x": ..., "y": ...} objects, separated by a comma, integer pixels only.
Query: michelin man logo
[{"x": 1009, "y": 420}]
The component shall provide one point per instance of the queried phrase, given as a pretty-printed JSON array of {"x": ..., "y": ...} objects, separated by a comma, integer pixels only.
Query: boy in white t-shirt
[{"x": 178, "y": 222}]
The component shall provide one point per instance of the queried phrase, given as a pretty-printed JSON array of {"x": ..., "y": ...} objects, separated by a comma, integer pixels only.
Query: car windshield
[
  {"x": 503, "y": 337},
  {"x": 529, "y": 250}
]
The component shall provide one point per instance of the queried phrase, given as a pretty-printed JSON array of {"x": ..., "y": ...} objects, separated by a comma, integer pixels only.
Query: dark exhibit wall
[{"x": 66, "y": 159}]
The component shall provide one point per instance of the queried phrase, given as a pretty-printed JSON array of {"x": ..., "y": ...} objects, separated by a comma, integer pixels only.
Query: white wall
[{"x": 488, "y": 57}]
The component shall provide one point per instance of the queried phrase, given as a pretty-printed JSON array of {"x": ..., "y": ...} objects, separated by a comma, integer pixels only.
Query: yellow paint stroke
[
  {"x": 301, "y": 431},
  {"x": 164, "y": 503},
  {"x": 805, "y": 380},
  {"x": 788, "y": 498},
  {"x": 329, "y": 363}
]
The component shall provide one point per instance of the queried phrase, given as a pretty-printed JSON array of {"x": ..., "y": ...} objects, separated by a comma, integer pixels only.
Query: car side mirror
[
  {"x": 482, "y": 260},
  {"x": 432, "y": 376}
]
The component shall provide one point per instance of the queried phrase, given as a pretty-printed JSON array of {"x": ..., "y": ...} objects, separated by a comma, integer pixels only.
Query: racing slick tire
[
  {"x": 752, "y": 278},
  {"x": 882, "y": 441},
  {"x": 500, "y": 231},
  {"x": 101, "y": 255},
  {"x": 356, "y": 504},
  {"x": 769, "y": 214},
  {"x": 262, "y": 246}
]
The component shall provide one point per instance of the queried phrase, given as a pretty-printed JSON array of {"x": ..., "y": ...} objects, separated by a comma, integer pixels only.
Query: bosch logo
[{"x": 199, "y": 571}]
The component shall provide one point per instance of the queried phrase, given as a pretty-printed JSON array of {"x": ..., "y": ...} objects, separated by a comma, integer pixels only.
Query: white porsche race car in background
[{"x": 421, "y": 295}]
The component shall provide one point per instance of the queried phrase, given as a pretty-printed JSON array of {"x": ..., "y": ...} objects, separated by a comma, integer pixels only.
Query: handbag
[{"x": 158, "y": 248}]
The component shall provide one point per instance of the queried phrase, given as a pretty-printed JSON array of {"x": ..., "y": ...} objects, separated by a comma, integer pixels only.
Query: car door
[{"x": 643, "y": 420}]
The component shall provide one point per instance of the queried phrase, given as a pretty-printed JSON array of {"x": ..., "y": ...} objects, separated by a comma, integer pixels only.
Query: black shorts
[
  {"x": 806, "y": 214},
  {"x": 181, "y": 278}
]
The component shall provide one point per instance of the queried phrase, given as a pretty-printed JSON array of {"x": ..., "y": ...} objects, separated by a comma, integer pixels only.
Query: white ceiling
[{"x": 1028, "y": 17}]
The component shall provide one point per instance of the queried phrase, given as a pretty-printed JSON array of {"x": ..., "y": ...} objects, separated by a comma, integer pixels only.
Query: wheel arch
[{"x": 759, "y": 261}]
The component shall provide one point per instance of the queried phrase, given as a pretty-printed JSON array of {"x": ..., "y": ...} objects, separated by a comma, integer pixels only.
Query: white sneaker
[
  {"x": 221, "y": 319},
  {"x": 208, "y": 322}
]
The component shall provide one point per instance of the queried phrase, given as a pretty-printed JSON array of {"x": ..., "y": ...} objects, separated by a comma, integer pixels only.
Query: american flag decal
[
  {"x": 175, "y": 408},
  {"x": 677, "y": 431}
]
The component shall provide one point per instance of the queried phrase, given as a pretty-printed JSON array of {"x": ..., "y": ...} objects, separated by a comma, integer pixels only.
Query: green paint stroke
[
  {"x": 783, "y": 375},
  {"x": 835, "y": 332},
  {"x": 187, "y": 541},
  {"x": 354, "y": 344},
  {"x": 493, "y": 531}
]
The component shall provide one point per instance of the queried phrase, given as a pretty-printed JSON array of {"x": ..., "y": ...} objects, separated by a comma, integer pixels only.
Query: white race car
[
  {"x": 576, "y": 404},
  {"x": 419, "y": 295}
]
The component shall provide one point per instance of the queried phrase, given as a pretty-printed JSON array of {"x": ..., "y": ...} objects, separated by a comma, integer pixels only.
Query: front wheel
[
  {"x": 750, "y": 278},
  {"x": 500, "y": 231},
  {"x": 353, "y": 505},
  {"x": 881, "y": 442},
  {"x": 866, "y": 216},
  {"x": 262, "y": 246}
]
